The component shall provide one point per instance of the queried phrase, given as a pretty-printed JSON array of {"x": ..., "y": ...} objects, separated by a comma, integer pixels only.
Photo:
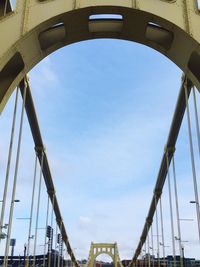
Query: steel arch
[{"x": 38, "y": 27}]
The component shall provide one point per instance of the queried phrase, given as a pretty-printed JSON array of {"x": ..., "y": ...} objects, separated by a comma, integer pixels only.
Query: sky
[{"x": 104, "y": 109}]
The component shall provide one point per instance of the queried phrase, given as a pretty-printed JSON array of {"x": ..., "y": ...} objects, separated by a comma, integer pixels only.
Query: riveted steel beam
[
  {"x": 40, "y": 150},
  {"x": 169, "y": 149},
  {"x": 29, "y": 33}
]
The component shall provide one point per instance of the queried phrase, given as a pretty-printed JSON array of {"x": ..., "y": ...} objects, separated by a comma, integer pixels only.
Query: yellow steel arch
[
  {"x": 36, "y": 28},
  {"x": 110, "y": 249}
]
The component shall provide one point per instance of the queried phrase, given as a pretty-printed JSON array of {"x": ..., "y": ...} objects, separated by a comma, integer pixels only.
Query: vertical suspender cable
[
  {"x": 51, "y": 240},
  {"x": 149, "y": 259},
  {"x": 45, "y": 237},
  {"x": 141, "y": 262},
  {"x": 152, "y": 245},
  {"x": 171, "y": 210},
  {"x": 142, "y": 257},
  {"x": 162, "y": 231},
  {"x": 177, "y": 212},
  {"x": 15, "y": 180},
  {"x": 196, "y": 117},
  {"x": 62, "y": 253},
  {"x": 55, "y": 256},
  {"x": 157, "y": 234},
  {"x": 62, "y": 262},
  {"x": 60, "y": 241},
  {"x": 31, "y": 211},
  {"x": 145, "y": 251},
  {"x": 193, "y": 162},
  {"x": 38, "y": 210},
  {"x": 8, "y": 162}
]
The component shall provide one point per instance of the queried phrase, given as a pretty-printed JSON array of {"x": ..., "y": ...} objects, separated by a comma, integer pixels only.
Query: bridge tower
[{"x": 110, "y": 249}]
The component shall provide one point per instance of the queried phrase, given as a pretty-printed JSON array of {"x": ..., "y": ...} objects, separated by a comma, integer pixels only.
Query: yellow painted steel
[
  {"x": 97, "y": 249},
  {"x": 37, "y": 28}
]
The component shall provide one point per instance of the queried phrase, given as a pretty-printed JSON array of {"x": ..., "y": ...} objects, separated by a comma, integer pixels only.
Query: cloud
[{"x": 84, "y": 222}]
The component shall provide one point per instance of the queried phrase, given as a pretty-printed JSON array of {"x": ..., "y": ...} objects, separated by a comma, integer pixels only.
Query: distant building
[
  {"x": 20, "y": 261},
  {"x": 166, "y": 262}
]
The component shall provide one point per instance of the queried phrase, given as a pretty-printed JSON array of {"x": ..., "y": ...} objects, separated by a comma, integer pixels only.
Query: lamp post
[
  {"x": 5, "y": 226},
  {"x": 182, "y": 248}
]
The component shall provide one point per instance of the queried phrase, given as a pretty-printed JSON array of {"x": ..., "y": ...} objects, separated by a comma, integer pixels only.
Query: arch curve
[
  {"x": 104, "y": 252},
  {"x": 30, "y": 33},
  {"x": 110, "y": 249}
]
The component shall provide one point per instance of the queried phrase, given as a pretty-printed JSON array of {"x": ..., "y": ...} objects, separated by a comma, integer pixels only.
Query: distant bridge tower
[{"x": 110, "y": 249}]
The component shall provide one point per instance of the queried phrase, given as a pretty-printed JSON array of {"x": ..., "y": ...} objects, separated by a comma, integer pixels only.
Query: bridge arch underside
[
  {"x": 109, "y": 254},
  {"x": 101, "y": 253},
  {"x": 78, "y": 25}
]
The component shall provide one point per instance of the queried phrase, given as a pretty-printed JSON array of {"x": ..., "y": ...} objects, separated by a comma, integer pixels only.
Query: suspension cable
[
  {"x": 31, "y": 211},
  {"x": 162, "y": 231},
  {"x": 193, "y": 162},
  {"x": 142, "y": 256},
  {"x": 157, "y": 233},
  {"x": 148, "y": 249},
  {"x": 62, "y": 259},
  {"x": 59, "y": 240},
  {"x": 55, "y": 259},
  {"x": 15, "y": 179},
  {"x": 145, "y": 249},
  {"x": 152, "y": 245},
  {"x": 51, "y": 235},
  {"x": 196, "y": 117},
  {"x": 38, "y": 208},
  {"x": 62, "y": 253},
  {"x": 45, "y": 237},
  {"x": 177, "y": 211},
  {"x": 3, "y": 207},
  {"x": 171, "y": 209}
]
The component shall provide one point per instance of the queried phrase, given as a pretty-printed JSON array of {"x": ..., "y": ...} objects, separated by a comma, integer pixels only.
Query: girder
[
  {"x": 169, "y": 149},
  {"x": 29, "y": 33},
  {"x": 40, "y": 149}
]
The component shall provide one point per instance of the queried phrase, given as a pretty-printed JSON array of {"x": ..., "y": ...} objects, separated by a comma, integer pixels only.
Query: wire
[
  {"x": 162, "y": 231},
  {"x": 177, "y": 212},
  {"x": 171, "y": 209},
  {"x": 193, "y": 162},
  {"x": 38, "y": 210},
  {"x": 45, "y": 237},
  {"x": 196, "y": 118},
  {"x": 8, "y": 162},
  {"x": 51, "y": 235},
  {"x": 31, "y": 211},
  {"x": 15, "y": 178},
  {"x": 157, "y": 233},
  {"x": 149, "y": 259},
  {"x": 55, "y": 256},
  {"x": 152, "y": 245}
]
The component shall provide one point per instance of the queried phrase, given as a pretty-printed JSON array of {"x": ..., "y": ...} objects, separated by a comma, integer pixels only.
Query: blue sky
[{"x": 104, "y": 108}]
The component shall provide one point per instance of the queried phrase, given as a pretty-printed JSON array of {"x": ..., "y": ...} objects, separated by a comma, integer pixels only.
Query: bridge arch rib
[{"x": 30, "y": 33}]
